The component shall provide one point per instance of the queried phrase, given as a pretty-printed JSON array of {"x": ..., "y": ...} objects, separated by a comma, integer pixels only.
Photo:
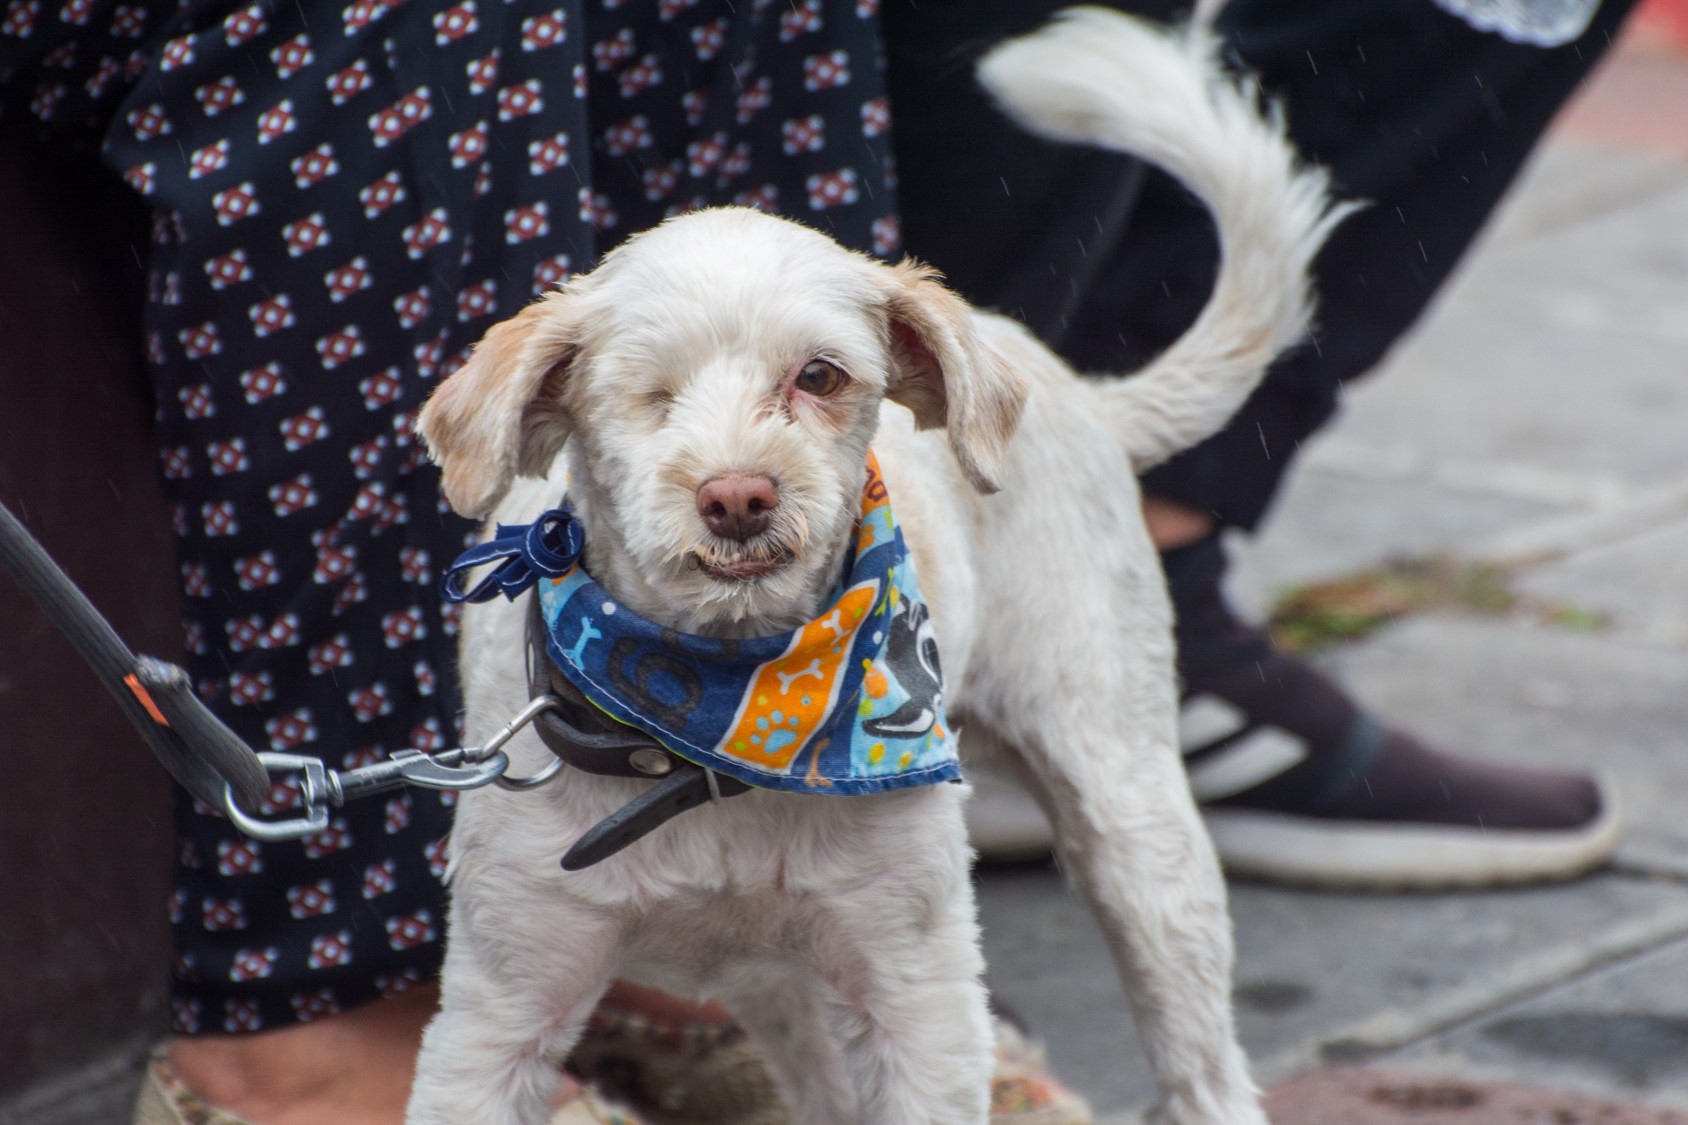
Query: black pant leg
[
  {"x": 1411, "y": 109},
  {"x": 1014, "y": 222},
  {"x": 1414, "y": 111}
]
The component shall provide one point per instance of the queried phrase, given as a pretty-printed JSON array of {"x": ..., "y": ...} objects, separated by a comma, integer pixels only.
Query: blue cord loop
[{"x": 546, "y": 548}]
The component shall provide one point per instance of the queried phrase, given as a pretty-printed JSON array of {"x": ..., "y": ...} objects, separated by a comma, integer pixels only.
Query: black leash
[
  {"x": 200, "y": 752},
  {"x": 192, "y": 743},
  {"x": 212, "y": 763}
]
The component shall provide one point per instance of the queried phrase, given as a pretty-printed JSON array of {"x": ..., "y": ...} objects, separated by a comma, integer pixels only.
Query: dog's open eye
[{"x": 820, "y": 378}]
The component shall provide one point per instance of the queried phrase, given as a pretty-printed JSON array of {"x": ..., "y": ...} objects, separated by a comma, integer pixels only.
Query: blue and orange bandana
[{"x": 849, "y": 703}]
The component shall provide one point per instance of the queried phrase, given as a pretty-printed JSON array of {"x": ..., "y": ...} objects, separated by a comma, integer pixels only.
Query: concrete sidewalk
[{"x": 1538, "y": 418}]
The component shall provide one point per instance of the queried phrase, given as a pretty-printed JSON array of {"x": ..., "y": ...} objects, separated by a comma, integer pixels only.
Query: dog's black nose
[{"x": 737, "y": 507}]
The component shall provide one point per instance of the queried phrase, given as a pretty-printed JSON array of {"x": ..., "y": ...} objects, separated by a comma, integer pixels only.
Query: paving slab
[
  {"x": 1509, "y": 385},
  {"x": 1574, "y": 179},
  {"x": 1548, "y": 382},
  {"x": 1635, "y": 251},
  {"x": 1630, "y": 102},
  {"x": 1325, "y": 975},
  {"x": 1318, "y": 974},
  {"x": 1620, "y": 1032},
  {"x": 1367, "y": 1096},
  {"x": 1639, "y": 582},
  {"x": 1540, "y": 694},
  {"x": 1565, "y": 349}
]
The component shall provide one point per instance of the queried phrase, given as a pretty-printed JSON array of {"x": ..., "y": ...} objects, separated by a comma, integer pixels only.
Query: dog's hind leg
[
  {"x": 1129, "y": 837},
  {"x": 493, "y": 1053},
  {"x": 1074, "y": 670}
]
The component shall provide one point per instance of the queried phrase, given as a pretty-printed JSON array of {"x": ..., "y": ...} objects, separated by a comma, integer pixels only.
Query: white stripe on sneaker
[
  {"x": 1205, "y": 719},
  {"x": 1258, "y": 756}
]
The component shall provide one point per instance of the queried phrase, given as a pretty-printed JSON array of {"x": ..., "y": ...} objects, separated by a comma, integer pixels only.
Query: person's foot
[
  {"x": 1298, "y": 784},
  {"x": 353, "y": 1068}
]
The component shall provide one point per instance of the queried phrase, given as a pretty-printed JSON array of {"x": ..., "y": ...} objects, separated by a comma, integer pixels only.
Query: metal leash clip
[{"x": 465, "y": 767}]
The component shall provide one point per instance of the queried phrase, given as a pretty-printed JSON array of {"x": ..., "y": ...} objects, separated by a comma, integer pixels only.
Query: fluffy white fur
[{"x": 841, "y": 931}]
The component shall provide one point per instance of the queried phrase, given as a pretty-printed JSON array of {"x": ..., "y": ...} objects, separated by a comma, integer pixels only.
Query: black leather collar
[{"x": 589, "y": 740}]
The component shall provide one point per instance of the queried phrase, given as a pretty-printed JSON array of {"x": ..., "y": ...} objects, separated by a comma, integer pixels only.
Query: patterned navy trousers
[{"x": 345, "y": 196}]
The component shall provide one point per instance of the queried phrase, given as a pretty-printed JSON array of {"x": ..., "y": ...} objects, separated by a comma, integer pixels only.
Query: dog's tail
[{"x": 1097, "y": 77}]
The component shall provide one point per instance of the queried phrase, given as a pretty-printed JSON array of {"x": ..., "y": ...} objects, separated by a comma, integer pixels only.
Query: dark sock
[{"x": 1355, "y": 769}]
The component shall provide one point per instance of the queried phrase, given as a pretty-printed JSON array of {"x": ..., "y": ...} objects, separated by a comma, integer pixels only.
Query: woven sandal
[
  {"x": 710, "y": 1075},
  {"x": 164, "y": 1099},
  {"x": 1024, "y": 1091}
]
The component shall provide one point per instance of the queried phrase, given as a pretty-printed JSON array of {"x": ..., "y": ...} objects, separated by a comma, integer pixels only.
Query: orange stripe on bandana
[{"x": 790, "y": 698}]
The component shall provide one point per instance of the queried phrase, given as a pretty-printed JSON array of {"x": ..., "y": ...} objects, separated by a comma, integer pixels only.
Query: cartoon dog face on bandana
[{"x": 911, "y": 658}]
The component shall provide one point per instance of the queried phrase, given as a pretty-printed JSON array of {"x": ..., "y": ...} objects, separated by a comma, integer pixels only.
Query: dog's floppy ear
[
  {"x": 948, "y": 376},
  {"x": 499, "y": 414}
]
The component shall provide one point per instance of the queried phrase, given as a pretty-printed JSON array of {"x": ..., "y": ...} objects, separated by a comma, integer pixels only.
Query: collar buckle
[{"x": 583, "y": 737}]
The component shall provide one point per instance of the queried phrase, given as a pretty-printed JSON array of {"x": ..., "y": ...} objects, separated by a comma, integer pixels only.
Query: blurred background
[{"x": 1489, "y": 544}]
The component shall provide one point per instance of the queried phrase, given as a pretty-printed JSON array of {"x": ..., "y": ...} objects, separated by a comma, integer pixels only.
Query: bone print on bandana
[{"x": 346, "y": 195}]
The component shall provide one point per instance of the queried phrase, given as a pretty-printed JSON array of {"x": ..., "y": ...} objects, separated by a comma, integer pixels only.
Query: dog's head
[{"x": 718, "y": 380}]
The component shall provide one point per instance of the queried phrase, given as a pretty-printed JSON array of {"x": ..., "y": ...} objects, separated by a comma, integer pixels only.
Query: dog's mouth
[{"x": 744, "y": 569}]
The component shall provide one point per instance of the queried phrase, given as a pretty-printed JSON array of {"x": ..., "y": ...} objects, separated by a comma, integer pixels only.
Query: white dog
[{"x": 730, "y": 346}]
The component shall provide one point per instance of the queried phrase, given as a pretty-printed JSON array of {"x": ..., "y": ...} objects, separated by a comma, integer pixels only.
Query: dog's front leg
[
  {"x": 492, "y": 1054},
  {"x": 901, "y": 992}
]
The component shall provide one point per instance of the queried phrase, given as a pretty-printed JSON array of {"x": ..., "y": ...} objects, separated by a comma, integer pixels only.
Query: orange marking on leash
[{"x": 141, "y": 694}]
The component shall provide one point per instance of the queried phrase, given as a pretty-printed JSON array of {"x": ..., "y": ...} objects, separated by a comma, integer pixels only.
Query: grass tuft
[{"x": 1322, "y": 615}]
